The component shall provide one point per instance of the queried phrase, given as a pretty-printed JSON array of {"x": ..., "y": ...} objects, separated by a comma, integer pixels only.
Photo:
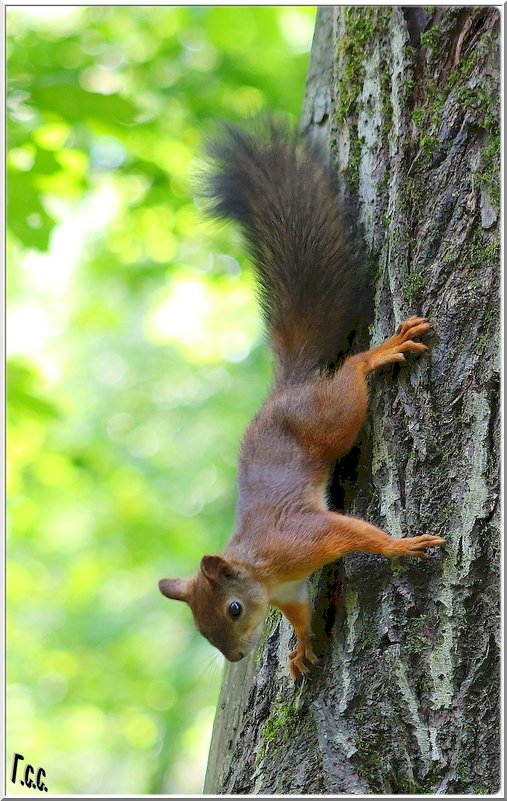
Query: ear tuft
[
  {"x": 177, "y": 589},
  {"x": 215, "y": 567}
]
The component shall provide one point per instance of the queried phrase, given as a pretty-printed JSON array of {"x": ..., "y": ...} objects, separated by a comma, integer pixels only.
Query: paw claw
[
  {"x": 401, "y": 342},
  {"x": 417, "y": 546},
  {"x": 410, "y": 345},
  {"x": 297, "y": 659},
  {"x": 411, "y": 322}
]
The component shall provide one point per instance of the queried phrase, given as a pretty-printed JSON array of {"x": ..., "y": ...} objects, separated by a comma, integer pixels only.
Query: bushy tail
[{"x": 310, "y": 264}]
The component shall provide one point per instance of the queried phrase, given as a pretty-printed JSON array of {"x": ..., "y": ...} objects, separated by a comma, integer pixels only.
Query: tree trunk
[{"x": 405, "y": 698}]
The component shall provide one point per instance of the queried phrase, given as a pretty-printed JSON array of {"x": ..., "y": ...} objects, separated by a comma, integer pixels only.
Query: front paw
[
  {"x": 417, "y": 546},
  {"x": 298, "y": 659}
]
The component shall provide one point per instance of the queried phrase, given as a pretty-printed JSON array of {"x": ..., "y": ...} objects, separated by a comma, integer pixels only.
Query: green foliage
[{"x": 136, "y": 360}]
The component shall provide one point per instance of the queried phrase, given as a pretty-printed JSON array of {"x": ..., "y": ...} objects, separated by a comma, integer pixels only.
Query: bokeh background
[{"x": 135, "y": 360}]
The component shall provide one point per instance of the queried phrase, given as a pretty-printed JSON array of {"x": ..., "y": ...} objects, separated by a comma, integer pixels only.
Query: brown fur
[{"x": 284, "y": 531}]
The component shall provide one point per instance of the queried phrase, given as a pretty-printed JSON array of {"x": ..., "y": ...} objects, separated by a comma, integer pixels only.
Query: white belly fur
[
  {"x": 322, "y": 494},
  {"x": 289, "y": 591}
]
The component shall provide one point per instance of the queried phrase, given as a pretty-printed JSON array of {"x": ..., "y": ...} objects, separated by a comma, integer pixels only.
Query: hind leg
[{"x": 326, "y": 414}]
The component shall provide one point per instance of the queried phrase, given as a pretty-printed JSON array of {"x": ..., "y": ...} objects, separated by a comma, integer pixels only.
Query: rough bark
[{"x": 406, "y": 695}]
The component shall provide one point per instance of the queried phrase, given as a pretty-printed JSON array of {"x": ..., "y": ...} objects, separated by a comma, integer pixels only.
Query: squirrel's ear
[
  {"x": 215, "y": 567},
  {"x": 174, "y": 588}
]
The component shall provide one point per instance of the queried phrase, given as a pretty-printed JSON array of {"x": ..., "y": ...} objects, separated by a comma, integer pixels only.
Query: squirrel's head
[{"x": 228, "y": 605}]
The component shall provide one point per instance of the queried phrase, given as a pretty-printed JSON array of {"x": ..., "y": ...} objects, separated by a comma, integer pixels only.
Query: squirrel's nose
[{"x": 236, "y": 656}]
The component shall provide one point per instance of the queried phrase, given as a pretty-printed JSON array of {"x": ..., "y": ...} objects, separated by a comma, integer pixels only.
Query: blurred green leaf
[
  {"x": 75, "y": 105},
  {"x": 23, "y": 395},
  {"x": 28, "y": 219}
]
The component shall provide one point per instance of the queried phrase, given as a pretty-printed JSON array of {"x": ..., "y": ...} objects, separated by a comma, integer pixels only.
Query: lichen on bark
[{"x": 406, "y": 695}]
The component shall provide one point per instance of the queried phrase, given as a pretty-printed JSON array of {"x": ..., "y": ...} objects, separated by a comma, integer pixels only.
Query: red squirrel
[{"x": 313, "y": 289}]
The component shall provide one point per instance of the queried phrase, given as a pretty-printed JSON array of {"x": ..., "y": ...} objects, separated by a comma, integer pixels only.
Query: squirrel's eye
[{"x": 235, "y": 609}]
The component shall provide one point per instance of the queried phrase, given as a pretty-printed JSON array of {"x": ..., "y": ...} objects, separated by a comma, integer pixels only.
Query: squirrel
[{"x": 314, "y": 290}]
